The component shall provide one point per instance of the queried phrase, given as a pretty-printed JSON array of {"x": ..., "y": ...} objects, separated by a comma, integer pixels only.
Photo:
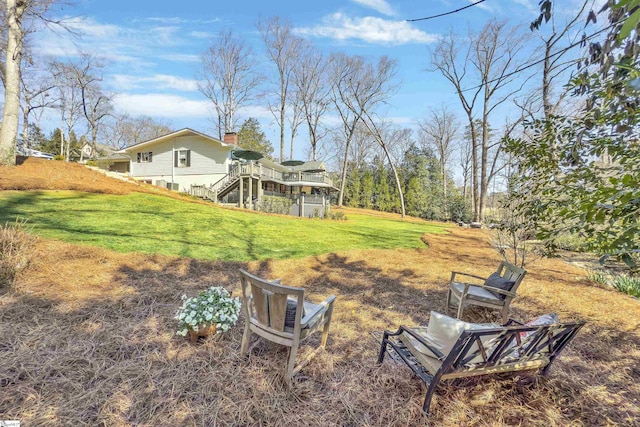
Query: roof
[
  {"x": 311, "y": 165},
  {"x": 182, "y": 132}
]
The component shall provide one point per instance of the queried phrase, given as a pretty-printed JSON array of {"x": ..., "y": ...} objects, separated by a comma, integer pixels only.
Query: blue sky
[{"x": 152, "y": 48}]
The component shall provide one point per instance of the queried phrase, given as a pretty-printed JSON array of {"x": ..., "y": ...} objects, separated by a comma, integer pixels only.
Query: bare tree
[
  {"x": 439, "y": 131},
  {"x": 358, "y": 86},
  {"x": 482, "y": 75},
  {"x": 385, "y": 139},
  {"x": 20, "y": 18},
  {"x": 283, "y": 49},
  {"x": 69, "y": 100},
  {"x": 296, "y": 117},
  {"x": 96, "y": 103},
  {"x": 125, "y": 130},
  {"x": 228, "y": 78},
  {"x": 313, "y": 88},
  {"x": 38, "y": 95}
]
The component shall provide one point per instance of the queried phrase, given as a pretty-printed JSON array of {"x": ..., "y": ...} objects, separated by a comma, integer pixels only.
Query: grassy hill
[
  {"x": 147, "y": 223},
  {"x": 87, "y": 336}
]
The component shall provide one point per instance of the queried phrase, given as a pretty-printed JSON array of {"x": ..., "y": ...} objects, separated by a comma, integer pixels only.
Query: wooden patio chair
[
  {"x": 272, "y": 311},
  {"x": 497, "y": 291}
]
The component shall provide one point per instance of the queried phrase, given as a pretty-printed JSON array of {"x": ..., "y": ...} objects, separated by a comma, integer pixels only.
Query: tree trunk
[{"x": 9, "y": 128}]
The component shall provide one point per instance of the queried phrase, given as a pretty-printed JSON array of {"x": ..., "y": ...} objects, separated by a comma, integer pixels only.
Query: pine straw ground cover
[{"x": 88, "y": 338}]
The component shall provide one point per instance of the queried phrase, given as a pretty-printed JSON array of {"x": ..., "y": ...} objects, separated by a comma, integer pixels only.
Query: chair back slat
[
  {"x": 277, "y": 311},
  {"x": 260, "y": 304},
  {"x": 266, "y": 302},
  {"x": 512, "y": 273}
]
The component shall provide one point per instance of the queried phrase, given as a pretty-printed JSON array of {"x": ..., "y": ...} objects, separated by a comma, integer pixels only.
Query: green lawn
[{"x": 154, "y": 224}]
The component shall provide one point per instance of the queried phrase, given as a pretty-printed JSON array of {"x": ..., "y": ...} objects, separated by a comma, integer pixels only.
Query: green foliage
[
  {"x": 598, "y": 277},
  {"x": 153, "y": 224},
  {"x": 570, "y": 242},
  {"x": 366, "y": 192},
  {"x": 275, "y": 204},
  {"x": 251, "y": 137},
  {"x": 628, "y": 285},
  {"x": 16, "y": 252},
  {"x": 422, "y": 184},
  {"x": 338, "y": 216},
  {"x": 91, "y": 163},
  {"x": 58, "y": 157}
]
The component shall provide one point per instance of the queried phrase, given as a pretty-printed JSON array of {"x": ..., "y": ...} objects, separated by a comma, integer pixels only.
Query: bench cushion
[
  {"x": 477, "y": 293},
  {"x": 443, "y": 332}
]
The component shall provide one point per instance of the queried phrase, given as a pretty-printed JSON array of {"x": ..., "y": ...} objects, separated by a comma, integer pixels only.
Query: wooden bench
[{"x": 509, "y": 348}]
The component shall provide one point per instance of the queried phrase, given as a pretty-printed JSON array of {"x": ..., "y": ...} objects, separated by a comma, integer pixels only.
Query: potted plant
[{"x": 211, "y": 312}]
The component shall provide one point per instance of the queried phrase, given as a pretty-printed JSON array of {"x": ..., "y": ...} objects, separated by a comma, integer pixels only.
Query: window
[
  {"x": 145, "y": 157},
  {"x": 182, "y": 158}
]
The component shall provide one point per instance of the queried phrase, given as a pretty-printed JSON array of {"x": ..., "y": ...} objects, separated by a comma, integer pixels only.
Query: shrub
[
  {"x": 599, "y": 277},
  {"x": 628, "y": 284},
  {"x": 58, "y": 157},
  {"x": 91, "y": 163},
  {"x": 275, "y": 204},
  {"x": 570, "y": 242},
  {"x": 16, "y": 250},
  {"x": 338, "y": 216}
]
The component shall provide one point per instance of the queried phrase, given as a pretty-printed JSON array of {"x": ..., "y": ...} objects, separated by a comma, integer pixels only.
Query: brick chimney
[{"x": 231, "y": 138}]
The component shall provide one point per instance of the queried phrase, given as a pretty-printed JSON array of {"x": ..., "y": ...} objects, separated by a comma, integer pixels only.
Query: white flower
[{"x": 214, "y": 305}]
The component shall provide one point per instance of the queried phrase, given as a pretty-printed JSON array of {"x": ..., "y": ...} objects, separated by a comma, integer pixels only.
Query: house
[
  {"x": 181, "y": 159},
  {"x": 206, "y": 167}
]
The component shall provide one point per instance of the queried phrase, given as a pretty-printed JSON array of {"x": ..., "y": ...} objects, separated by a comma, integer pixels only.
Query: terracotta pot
[{"x": 204, "y": 330}]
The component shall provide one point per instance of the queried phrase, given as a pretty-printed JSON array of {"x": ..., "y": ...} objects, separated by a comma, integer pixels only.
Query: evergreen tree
[
  {"x": 367, "y": 189},
  {"x": 251, "y": 137}
]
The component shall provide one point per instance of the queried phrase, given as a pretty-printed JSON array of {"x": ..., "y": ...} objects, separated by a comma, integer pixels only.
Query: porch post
[
  {"x": 251, "y": 191},
  {"x": 301, "y": 213},
  {"x": 241, "y": 192}
]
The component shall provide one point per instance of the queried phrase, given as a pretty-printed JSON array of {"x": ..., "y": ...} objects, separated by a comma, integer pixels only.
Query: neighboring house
[{"x": 204, "y": 166}]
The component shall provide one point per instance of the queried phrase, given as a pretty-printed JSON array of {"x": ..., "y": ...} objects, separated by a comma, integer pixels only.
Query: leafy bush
[
  {"x": 570, "y": 242},
  {"x": 58, "y": 157},
  {"x": 338, "y": 216},
  {"x": 275, "y": 204},
  {"x": 599, "y": 277},
  {"x": 91, "y": 163},
  {"x": 16, "y": 250},
  {"x": 628, "y": 284}
]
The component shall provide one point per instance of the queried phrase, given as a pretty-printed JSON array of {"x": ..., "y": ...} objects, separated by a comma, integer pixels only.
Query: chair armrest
[
  {"x": 454, "y": 273},
  {"x": 422, "y": 340},
  {"x": 499, "y": 291},
  {"x": 276, "y": 281},
  {"x": 326, "y": 304}
]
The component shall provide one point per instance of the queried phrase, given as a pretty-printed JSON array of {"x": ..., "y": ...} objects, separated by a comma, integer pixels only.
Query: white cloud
[
  {"x": 201, "y": 34},
  {"x": 124, "y": 82},
  {"x": 380, "y": 6},
  {"x": 180, "y": 57},
  {"x": 369, "y": 29},
  {"x": 480, "y": 5},
  {"x": 162, "y": 105}
]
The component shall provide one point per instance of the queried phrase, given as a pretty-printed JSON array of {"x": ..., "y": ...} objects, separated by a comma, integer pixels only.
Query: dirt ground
[{"x": 88, "y": 338}]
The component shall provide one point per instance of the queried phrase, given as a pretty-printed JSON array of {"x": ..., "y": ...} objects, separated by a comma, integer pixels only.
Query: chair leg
[
  {"x": 460, "y": 308},
  {"x": 327, "y": 324},
  {"x": 431, "y": 388},
  {"x": 446, "y": 307},
  {"x": 505, "y": 314},
  {"x": 246, "y": 337},
  {"x": 291, "y": 365}
]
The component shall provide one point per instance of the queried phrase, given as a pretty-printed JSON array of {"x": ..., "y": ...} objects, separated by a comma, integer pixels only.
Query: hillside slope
[{"x": 42, "y": 174}]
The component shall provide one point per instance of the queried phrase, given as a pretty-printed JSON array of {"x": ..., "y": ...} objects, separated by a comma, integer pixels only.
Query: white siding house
[{"x": 184, "y": 158}]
